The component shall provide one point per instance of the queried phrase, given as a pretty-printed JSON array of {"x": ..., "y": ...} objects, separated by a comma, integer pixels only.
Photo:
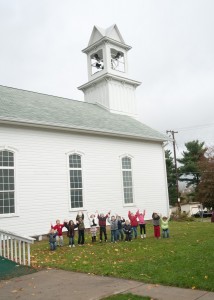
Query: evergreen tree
[
  {"x": 189, "y": 170},
  {"x": 171, "y": 177}
]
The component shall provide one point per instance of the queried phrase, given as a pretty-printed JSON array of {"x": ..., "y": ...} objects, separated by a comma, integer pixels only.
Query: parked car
[{"x": 203, "y": 214}]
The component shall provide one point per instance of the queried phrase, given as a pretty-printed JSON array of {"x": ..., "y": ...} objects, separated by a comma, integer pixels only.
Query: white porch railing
[{"x": 15, "y": 247}]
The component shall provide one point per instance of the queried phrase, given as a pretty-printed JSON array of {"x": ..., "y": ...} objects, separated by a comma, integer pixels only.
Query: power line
[{"x": 196, "y": 126}]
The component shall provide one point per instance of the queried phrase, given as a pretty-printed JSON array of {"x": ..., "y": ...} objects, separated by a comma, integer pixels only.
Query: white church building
[{"x": 59, "y": 156}]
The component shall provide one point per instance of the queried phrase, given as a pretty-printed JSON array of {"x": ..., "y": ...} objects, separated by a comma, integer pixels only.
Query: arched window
[
  {"x": 7, "y": 182},
  {"x": 75, "y": 174},
  {"x": 127, "y": 179}
]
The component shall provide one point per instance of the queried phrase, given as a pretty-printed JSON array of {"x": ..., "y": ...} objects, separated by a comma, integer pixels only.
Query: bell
[
  {"x": 98, "y": 66},
  {"x": 118, "y": 55},
  {"x": 96, "y": 57}
]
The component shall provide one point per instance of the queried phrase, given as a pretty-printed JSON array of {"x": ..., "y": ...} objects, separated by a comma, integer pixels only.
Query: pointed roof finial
[{"x": 111, "y": 32}]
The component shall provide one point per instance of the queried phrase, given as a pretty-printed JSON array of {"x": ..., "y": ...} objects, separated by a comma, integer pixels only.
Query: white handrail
[{"x": 15, "y": 247}]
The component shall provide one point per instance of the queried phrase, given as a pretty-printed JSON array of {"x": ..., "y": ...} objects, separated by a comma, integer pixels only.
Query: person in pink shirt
[
  {"x": 58, "y": 227},
  {"x": 142, "y": 223}
]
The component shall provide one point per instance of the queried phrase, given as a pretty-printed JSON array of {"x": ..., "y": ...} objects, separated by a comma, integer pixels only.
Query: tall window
[
  {"x": 127, "y": 180},
  {"x": 7, "y": 185},
  {"x": 76, "y": 190}
]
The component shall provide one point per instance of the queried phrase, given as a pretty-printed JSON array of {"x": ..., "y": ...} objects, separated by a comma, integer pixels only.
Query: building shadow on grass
[{"x": 10, "y": 269}]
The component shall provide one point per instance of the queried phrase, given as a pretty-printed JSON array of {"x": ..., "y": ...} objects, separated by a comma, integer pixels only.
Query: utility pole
[{"x": 176, "y": 169}]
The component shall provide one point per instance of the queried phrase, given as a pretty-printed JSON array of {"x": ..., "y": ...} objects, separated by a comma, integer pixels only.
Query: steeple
[{"x": 108, "y": 83}]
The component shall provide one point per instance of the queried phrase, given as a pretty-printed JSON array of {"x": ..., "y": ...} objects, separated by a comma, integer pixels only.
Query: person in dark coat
[
  {"x": 128, "y": 231},
  {"x": 70, "y": 234},
  {"x": 102, "y": 223},
  {"x": 52, "y": 239}
]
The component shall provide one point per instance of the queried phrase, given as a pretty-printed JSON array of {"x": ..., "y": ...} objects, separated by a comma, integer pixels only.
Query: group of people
[{"x": 120, "y": 228}]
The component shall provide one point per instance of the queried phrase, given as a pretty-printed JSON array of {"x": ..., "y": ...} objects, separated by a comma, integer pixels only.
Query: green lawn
[{"x": 186, "y": 259}]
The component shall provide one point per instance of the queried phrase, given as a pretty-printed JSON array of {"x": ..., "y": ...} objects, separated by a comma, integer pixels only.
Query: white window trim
[
  {"x": 81, "y": 154},
  {"x": 133, "y": 204},
  {"x": 16, "y": 213}
]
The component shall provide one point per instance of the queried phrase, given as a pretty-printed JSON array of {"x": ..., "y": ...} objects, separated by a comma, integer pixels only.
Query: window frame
[
  {"x": 13, "y": 151},
  {"x": 69, "y": 186},
  {"x": 132, "y": 177}
]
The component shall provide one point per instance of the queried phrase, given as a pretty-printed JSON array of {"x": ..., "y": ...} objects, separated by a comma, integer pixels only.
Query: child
[
  {"x": 156, "y": 224},
  {"x": 128, "y": 231},
  {"x": 134, "y": 222},
  {"x": 114, "y": 227},
  {"x": 59, "y": 237},
  {"x": 70, "y": 226},
  {"x": 165, "y": 227},
  {"x": 93, "y": 227},
  {"x": 102, "y": 224},
  {"x": 142, "y": 223},
  {"x": 79, "y": 215},
  {"x": 52, "y": 239},
  {"x": 121, "y": 222},
  {"x": 81, "y": 230}
]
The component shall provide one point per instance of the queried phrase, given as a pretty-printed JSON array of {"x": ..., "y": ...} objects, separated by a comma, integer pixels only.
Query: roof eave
[
  {"x": 79, "y": 130},
  {"x": 105, "y": 38},
  {"x": 111, "y": 76}
]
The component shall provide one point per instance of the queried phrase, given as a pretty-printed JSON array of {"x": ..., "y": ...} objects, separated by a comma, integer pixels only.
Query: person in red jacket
[
  {"x": 134, "y": 222},
  {"x": 58, "y": 227}
]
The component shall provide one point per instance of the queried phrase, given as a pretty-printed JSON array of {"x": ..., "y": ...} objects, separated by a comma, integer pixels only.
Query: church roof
[
  {"x": 100, "y": 35},
  {"x": 35, "y": 109}
]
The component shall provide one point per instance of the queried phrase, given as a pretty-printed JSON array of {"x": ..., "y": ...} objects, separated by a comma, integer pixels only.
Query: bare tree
[{"x": 205, "y": 194}]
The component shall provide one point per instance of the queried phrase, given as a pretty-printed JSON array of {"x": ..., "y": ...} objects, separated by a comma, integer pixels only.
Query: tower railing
[{"x": 15, "y": 247}]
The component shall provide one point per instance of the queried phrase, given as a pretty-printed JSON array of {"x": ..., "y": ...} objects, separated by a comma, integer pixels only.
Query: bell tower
[{"x": 108, "y": 83}]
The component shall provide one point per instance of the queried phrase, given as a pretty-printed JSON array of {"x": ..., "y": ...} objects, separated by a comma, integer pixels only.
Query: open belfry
[{"x": 108, "y": 82}]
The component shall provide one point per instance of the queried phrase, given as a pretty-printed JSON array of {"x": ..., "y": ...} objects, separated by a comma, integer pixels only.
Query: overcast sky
[{"x": 172, "y": 55}]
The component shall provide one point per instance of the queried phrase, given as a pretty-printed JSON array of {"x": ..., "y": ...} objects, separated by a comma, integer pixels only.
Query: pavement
[{"x": 62, "y": 285}]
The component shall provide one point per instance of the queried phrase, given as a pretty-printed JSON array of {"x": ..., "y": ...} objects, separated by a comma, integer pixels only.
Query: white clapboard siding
[{"x": 42, "y": 176}]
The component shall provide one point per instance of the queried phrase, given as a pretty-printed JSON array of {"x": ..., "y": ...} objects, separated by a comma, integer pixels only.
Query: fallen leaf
[{"x": 145, "y": 275}]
